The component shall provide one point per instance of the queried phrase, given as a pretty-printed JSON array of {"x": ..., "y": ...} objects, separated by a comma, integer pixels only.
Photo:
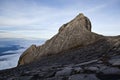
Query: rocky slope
[
  {"x": 98, "y": 61},
  {"x": 88, "y": 57},
  {"x": 76, "y": 33}
]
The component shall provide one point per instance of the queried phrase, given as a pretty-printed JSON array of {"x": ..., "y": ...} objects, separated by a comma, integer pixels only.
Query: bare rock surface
[
  {"x": 91, "y": 62},
  {"x": 76, "y": 33},
  {"x": 83, "y": 77},
  {"x": 86, "y": 56}
]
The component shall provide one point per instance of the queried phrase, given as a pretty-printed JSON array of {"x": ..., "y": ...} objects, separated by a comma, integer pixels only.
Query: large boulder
[{"x": 76, "y": 33}]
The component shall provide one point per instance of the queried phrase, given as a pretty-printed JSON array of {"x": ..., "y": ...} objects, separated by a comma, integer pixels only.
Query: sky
[{"x": 42, "y": 18}]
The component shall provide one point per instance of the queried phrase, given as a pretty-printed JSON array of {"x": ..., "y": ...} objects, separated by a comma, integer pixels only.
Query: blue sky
[{"x": 43, "y": 18}]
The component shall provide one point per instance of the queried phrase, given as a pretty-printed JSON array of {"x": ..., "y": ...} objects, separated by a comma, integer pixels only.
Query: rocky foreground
[{"x": 85, "y": 56}]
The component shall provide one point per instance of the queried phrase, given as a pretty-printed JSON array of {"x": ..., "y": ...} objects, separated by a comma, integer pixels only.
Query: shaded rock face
[
  {"x": 79, "y": 54},
  {"x": 97, "y": 61},
  {"x": 76, "y": 33}
]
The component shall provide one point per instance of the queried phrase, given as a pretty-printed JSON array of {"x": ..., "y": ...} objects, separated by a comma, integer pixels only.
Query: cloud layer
[{"x": 42, "y": 18}]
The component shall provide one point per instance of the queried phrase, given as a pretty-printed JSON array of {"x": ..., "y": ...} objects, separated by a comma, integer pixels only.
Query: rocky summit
[
  {"x": 76, "y": 33},
  {"x": 75, "y": 53}
]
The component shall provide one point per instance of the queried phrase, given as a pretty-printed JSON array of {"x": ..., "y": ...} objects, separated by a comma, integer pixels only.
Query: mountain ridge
[
  {"x": 84, "y": 56},
  {"x": 75, "y": 33}
]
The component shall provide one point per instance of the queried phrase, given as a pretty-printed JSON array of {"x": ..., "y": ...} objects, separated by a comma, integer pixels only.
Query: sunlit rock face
[
  {"x": 75, "y": 53},
  {"x": 76, "y": 33}
]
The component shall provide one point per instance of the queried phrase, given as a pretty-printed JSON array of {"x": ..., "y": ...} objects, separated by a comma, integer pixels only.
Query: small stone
[
  {"x": 23, "y": 78},
  {"x": 78, "y": 69},
  {"x": 56, "y": 78},
  {"x": 111, "y": 70},
  {"x": 100, "y": 62},
  {"x": 102, "y": 67},
  {"x": 64, "y": 72},
  {"x": 77, "y": 77},
  {"x": 83, "y": 77},
  {"x": 94, "y": 69},
  {"x": 115, "y": 62}
]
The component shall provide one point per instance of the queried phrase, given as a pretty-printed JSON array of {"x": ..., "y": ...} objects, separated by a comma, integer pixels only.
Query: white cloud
[
  {"x": 32, "y": 14},
  {"x": 11, "y": 60},
  {"x": 33, "y": 34},
  {"x": 44, "y": 19}
]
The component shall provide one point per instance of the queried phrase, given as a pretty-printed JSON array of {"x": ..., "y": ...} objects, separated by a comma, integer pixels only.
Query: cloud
[
  {"x": 11, "y": 60},
  {"x": 28, "y": 34},
  {"x": 46, "y": 18},
  {"x": 23, "y": 14}
]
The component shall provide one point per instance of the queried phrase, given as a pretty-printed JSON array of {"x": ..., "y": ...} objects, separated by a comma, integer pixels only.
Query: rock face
[
  {"x": 97, "y": 61},
  {"x": 79, "y": 54},
  {"x": 76, "y": 33}
]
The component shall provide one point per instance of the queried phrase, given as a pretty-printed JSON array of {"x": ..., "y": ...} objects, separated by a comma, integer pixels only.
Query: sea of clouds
[{"x": 10, "y": 58}]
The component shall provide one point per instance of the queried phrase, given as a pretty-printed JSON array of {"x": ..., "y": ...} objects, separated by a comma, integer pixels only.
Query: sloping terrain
[
  {"x": 76, "y": 33},
  {"x": 98, "y": 61},
  {"x": 75, "y": 53}
]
